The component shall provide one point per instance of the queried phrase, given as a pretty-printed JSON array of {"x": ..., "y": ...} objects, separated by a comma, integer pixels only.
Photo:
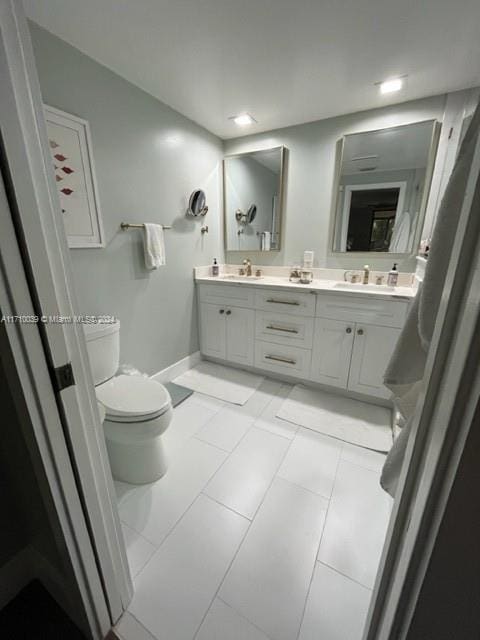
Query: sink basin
[
  {"x": 236, "y": 277},
  {"x": 350, "y": 286}
]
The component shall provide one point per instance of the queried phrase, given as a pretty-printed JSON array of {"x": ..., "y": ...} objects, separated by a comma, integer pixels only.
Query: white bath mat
[
  {"x": 360, "y": 423},
  {"x": 224, "y": 383}
]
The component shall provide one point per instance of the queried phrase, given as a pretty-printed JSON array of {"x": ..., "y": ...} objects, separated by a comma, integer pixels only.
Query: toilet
[{"x": 138, "y": 410}]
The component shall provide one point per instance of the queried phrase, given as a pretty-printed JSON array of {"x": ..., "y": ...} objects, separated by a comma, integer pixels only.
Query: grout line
[
  {"x": 154, "y": 637},
  {"x": 241, "y": 615},
  {"x": 225, "y": 506},
  {"x": 240, "y": 546},
  {"x": 360, "y": 584},
  {"x": 319, "y": 544}
]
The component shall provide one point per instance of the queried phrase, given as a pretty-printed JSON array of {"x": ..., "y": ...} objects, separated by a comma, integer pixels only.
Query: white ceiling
[{"x": 284, "y": 61}]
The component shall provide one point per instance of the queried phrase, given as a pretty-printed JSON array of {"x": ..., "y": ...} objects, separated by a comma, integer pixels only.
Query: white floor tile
[
  {"x": 125, "y": 491},
  {"x": 176, "y": 588},
  {"x": 243, "y": 480},
  {"x": 268, "y": 418},
  {"x": 261, "y": 398},
  {"x": 336, "y": 607},
  {"x": 312, "y": 461},
  {"x": 214, "y": 404},
  {"x": 226, "y": 428},
  {"x": 188, "y": 418},
  {"x": 139, "y": 550},
  {"x": 367, "y": 458},
  {"x": 269, "y": 579},
  {"x": 224, "y": 623},
  {"x": 130, "y": 629},
  {"x": 356, "y": 524},
  {"x": 154, "y": 512}
]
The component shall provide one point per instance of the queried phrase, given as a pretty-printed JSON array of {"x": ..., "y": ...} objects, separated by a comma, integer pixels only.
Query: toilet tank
[{"x": 103, "y": 346}]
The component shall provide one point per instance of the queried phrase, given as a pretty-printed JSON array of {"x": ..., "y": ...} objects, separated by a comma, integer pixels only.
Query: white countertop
[{"x": 318, "y": 285}]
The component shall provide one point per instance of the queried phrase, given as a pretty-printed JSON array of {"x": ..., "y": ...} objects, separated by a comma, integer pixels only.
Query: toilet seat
[{"x": 133, "y": 399}]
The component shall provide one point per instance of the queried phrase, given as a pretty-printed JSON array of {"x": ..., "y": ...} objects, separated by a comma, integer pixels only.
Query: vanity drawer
[
  {"x": 298, "y": 303},
  {"x": 282, "y": 328},
  {"x": 227, "y": 294},
  {"x": 292, "y": 361},
  {"x": 378, "y": 311}
]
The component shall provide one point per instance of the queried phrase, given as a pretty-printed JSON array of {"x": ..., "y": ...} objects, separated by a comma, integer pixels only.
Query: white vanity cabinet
[{"x": 339, "y": 340}]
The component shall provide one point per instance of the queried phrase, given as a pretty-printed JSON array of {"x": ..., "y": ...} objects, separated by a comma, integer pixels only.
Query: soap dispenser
[
  {"x": 393, "y": 276},
  {"x": 215, "y": 268}
]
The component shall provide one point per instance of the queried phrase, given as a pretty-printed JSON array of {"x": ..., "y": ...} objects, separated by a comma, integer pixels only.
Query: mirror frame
[
  {"x": 432, "y": 156},
  {"x": 281, "y": 198}
]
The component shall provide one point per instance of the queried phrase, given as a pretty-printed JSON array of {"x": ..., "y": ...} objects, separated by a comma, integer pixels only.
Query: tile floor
[{"x": 259, "y": 531}]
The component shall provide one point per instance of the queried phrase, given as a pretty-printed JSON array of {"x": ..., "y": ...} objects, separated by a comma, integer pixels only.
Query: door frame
[{"x": 37, "y": 276}]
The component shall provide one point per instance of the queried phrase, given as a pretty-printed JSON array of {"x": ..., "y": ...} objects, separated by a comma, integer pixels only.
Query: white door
[
  {"x": 371, "y": 353},
  {"x": 240, "y": 335},
  {"x": 332, "y": 350},
  {"x": 212, "y": 330}
]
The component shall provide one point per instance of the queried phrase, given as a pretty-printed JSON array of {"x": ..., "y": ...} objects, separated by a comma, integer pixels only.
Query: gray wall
[
  {"x": 148, "y": 159},
  {"x": 310, "y": 174}
]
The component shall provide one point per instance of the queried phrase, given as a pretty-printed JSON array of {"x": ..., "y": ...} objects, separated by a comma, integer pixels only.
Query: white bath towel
[
  {"x": 401, "y": 234},
  {"x": 266, "y": 239},
  {"x": 405, "y": 371},
  {"x": 154, "y": 246}
]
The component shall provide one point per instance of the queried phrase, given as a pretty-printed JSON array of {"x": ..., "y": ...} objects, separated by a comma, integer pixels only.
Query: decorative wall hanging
[{"x": 71, "y": 149}]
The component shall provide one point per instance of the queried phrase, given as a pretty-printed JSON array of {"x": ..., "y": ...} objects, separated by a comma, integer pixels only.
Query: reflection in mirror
[
  {"x": 382, "y": 188},
  {"x": 253, "y": 184}
]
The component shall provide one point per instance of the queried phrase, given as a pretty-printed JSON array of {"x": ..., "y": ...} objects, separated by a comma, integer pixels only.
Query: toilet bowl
[{"x": 138, "y": 410}]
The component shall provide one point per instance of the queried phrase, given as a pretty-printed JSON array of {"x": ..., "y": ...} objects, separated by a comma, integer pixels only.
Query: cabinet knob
[
  {"x": 360, "y": 332},
  {"x": 348, "y": 329},
  {"x": 228, "y": 312},
  {"x": 221, "y": 311}
]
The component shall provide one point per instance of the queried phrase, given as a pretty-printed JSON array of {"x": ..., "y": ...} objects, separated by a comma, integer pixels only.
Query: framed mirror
[
  {"x": 381, "y": 188},
  {"x": 253, "y": 200}
]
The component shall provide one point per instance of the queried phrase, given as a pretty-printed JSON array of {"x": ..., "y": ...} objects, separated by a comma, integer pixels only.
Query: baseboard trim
[{"x": 177, "y": 368}]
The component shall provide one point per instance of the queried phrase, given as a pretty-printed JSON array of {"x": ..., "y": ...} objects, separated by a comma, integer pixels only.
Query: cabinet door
[
  {"x": 332, "y": 350},
  {"x": 372, "y": 349},
  {"x": 240, "y": 335},
  {"x": 212, "y": 330}
]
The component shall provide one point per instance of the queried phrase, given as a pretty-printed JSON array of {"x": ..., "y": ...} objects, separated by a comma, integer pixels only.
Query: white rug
[
  {"x": 360, "y": 423},
  {"x": 224, "y": 383}
]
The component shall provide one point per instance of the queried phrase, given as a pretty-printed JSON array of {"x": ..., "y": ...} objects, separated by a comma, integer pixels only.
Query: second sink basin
[{"x": 350, "y": 286}]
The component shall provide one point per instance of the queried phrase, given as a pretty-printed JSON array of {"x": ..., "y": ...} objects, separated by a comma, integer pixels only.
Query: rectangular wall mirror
[
  {"x": 381, "y": 188},
  {"x": 253, "y": 200}
]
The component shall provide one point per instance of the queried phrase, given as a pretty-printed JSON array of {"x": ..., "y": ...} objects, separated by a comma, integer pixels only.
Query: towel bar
[{"x": 135, "y": 225}]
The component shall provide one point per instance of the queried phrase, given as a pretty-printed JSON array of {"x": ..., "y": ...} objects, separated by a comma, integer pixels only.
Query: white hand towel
[
  {"x": 265, "y": 240},
  {"x": 154, "y": 246}
]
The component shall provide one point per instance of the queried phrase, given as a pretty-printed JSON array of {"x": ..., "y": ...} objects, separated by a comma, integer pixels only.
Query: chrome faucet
[
  {"x": 248, "y": 267},
  {"x": 366, "y": 274}
]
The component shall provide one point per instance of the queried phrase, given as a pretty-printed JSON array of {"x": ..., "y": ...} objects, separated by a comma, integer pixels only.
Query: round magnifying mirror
[
  {"x": 197, "y": 203},
  {"x": 251, "y": 213}
]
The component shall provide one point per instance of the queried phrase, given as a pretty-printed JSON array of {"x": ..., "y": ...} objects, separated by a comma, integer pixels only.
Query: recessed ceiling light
[
  {"x": 243, "y": 119},
  {"x": 390, "y": 86}
]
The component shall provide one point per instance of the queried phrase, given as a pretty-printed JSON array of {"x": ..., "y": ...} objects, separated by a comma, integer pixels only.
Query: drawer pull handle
[
  {"x": 348, "y": 329},
  {"x": 221, "y": 311},
  {"x": 280, "y": 359},
  {"x": 274, "y": 328},
  {"x": 360, "y": 332},
  {"x": 294, "y": 303},
  {"x": 228, "y": 312}
]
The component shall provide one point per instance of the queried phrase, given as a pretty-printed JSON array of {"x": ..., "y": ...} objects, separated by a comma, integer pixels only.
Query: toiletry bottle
[
  {"x": 393, "y": 276},
  {"x": 215, "y": 268}
]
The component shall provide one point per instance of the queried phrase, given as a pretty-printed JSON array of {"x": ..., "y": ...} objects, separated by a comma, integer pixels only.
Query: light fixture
[
  {"x": 390, "y": 86},
  {"x": 243, "y": 119}
]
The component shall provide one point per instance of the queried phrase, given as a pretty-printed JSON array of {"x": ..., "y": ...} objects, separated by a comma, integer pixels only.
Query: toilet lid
[{"x": 133, "y": 396}]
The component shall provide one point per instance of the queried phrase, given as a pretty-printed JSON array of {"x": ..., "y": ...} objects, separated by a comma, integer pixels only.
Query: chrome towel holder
[{"x": 136, "y": 225}]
